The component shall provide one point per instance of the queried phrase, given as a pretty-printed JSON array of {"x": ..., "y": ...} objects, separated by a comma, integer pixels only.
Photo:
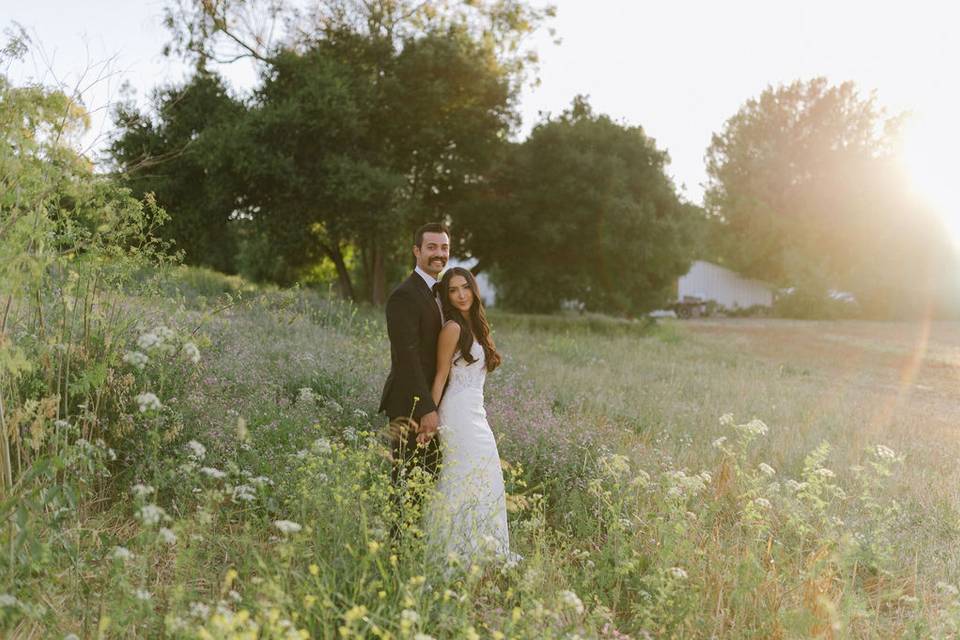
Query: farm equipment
[{"x": 690, "y": 307}]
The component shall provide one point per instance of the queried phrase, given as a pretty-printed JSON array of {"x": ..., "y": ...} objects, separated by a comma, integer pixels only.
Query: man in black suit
[{"x": 413, "y": 323}]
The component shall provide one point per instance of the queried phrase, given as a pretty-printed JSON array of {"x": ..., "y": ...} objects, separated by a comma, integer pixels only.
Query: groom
[{"x": 413, "y": 324}]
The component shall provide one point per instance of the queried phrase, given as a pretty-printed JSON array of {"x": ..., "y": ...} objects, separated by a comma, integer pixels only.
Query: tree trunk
[
  {"x": 379, "y": 279},
  {"x": 343, "y": 276}
]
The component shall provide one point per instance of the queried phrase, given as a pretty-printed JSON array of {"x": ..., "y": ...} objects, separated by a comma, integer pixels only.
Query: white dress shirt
[{"x": 430, "y": 280}]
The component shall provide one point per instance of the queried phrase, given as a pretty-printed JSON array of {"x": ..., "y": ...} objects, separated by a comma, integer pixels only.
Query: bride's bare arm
[{"x": 446, "y": 345}]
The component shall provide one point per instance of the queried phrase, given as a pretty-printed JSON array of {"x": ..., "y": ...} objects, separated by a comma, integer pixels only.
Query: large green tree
[
  {"x": 181, "y": 153},
  {"x": 806, "y": 188},
  {"x": 581, "y": 211},
  {"x": 371, "y": 119}
]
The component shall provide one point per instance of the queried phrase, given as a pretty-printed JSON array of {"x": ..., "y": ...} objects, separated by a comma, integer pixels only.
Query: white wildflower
[
  {"x": 141, "y": 490},
  {"x": 164, "y": 333},
  {"x": 287, "y": 526},
  {"x": 197, "y": 450},
  {"x": 825, "y": 473},
  {"x": 755, "y": 427},
  {"x": 148, "y": 341},
  {"x": 677, "y": 573},
  {"x": 244, "y": 493},
  {"x": 767, "y": 470},
  {"x": 572, "y": 600},
  {"x": 143, "y": 594},
  {"x": 151, "y": 514},
  {"x": 409, "y": 616},
  {"x": 359, "y": 413},
  {"x": 7, "y": 600},
  {"x": 306, "y": 395},
  {"x": 261, "y": 481},
  {"x": 136, "y": 359},
  {"x": 726, "y": 420},
  {"x": 121, "y": 553},
  {"x": 234, "y": 595},
  {"x": 148, "y": 401},
  {"x": 301, "y": 454},
  {"x": 706, "y": 477},
  {"x": 191, "y": 352},
  {"x": 793, "y": 485},
  {"x": 350, "y": 434},
  {"x": 167, "y": 536},
  {"x": 614, "y": 465},
  {"x": 719, "y": 442},
  {"x": 948, "y": 589},
  {"x": 321, "y": 445},
  {"x": 73, "y": 636},
  {"x": 423, "y": 636},
  {"x": 334, "y": 406},
  {"x": 212, "y": 472},
  {"x": 642, "y": 479},
  {"x": 199, "y": 610},
  {"x": 886, "y": 453},
  {"x": 763, "y": 503}
]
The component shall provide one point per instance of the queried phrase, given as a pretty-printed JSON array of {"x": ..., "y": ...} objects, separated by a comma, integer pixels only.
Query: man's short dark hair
[{"x": 430, "y": 227}]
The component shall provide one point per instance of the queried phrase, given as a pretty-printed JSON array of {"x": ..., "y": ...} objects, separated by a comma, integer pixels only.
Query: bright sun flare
[{"x": 930, "y": 157}]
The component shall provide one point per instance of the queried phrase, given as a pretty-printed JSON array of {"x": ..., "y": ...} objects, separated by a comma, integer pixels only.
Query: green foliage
[
  {"x": 184, "y": 156},
  {"x": 581, "y": 211},
  {"x": 807, "y": 193}
]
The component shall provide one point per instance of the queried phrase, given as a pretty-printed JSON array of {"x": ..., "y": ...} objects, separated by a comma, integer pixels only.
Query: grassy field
[{"x": 709, "y": 479}]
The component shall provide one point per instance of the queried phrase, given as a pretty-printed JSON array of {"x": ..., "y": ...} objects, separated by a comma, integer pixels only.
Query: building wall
[{"x": 712, "y": 282}]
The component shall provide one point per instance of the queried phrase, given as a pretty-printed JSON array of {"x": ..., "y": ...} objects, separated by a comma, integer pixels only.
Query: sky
[{"x": 679, "y": 69}]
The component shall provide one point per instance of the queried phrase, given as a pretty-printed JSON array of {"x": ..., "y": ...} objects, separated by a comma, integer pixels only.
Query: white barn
[{"x": 708, "y": 281}]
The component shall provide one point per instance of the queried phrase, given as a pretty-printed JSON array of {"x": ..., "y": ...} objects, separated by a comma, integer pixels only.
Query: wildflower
[
  {"x": 793, "y": 485},
  {"x": 615, "y": 465},
  {"x": 767, "y": 470},
  {"x": 151, "y": 514},
  {"x": 706, "y": 477},
  {"x": 373, "y": 547},
  {"x": 355, "y": 613},
  {"x": 572, "y": 600},
  {"x": 191, "y": 352},
  {"x": 287, "y": 526},
  {"x": 141, "y": 490},
  {"x": 244, "y": 493},
  {"x": 763, "y": 503},
  {"x": 360, "y": 413},
  {"x": 726, "y": 420},
  {"x": 825, "y": 473},
  {"x": 234, "y": 595},
  {"x": 321, "y": 445},
  {"x": 642, "y": 479},
  {"x": 197, "y": 450},
  {"x": 886, "y": 453},
  {"x": 334, "y": 406},
  {"x": 948, "y": 589},
  {"x": 165, "y": 334},
  {"x": 314, "y": 570},
  {"x": 167, "y": 536},
  {"x": 755, "y": 427},
  {"x": 306, "y": 395},
  {"x": 136, "y": 359},
  {"x": 213, "y": 472},
  {"x": 199, "y": 610},
  {"x": 121, "y": 553},
  {"x": 148, "y": 341},
  {"x": 7, "y": 600},
  {"x": 262, "y": 480},
  {"x": 143, "y": 594},
  {"x": 71, "y": 636},
  {"x": 148, "y": 401},
  {"x": 408, "y": 618},
  {"x": 719, "y": 442},
  {"x": 423, "y": 636},
  {"x": 677, "y": 573}
]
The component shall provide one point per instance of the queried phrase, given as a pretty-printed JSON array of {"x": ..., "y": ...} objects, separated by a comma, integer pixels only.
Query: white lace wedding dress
[{"x": 468, "y": 513}]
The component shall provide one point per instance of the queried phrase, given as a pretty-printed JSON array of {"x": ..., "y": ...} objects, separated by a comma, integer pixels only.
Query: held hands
[{"x": 427, "y": 428}]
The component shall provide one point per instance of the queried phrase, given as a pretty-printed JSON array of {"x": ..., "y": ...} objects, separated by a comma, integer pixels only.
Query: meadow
[{"x": 225, "y": 476}]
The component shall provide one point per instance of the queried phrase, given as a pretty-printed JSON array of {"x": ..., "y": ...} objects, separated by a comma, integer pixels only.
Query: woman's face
[{"x": 461, "y": 296}]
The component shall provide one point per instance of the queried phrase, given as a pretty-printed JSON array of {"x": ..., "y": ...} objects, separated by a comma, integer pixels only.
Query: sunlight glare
[{"x": 929, "y": 152}]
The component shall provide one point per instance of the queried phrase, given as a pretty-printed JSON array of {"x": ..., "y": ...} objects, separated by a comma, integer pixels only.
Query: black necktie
[{"x": 436, "y": 289}]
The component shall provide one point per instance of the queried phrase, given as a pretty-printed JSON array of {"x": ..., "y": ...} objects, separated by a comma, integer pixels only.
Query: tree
[
  {"x": 581, "y": 211},
  {"x": 372, "y": 118},
  {"x": 183, "y": 156},
  {"x": 808, "y": 193}
]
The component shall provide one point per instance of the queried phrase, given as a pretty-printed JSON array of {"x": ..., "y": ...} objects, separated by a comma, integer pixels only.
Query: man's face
[{"x": 433, "y": 252}]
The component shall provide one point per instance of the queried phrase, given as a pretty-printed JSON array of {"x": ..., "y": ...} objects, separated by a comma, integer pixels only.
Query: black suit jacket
[{"x": 413, "y": 323}]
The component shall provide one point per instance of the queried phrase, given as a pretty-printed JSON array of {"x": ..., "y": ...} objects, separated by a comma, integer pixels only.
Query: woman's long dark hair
[{"x": 478, "y": 319}]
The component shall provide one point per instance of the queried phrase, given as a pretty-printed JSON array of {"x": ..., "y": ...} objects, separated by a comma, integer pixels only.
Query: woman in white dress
[{"x": 468, "y": 514}]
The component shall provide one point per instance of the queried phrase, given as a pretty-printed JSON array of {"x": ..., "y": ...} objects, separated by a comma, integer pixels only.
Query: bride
[{"x": 467, "y": 516}]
